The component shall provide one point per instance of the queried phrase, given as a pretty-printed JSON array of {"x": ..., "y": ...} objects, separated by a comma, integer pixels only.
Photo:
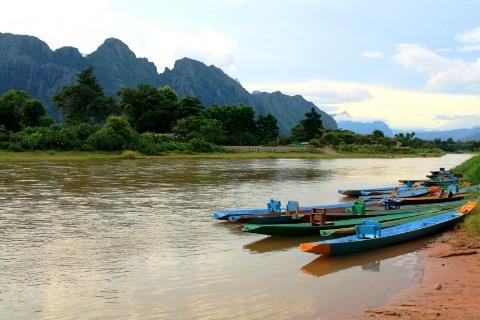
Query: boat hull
[{"x": 419, "y": 228}]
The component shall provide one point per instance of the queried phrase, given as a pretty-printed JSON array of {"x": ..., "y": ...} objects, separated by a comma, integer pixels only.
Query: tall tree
[
  {"x": 32, "y": 112},
  {"x": 149, "y": 108},
  {"x": 267, "y": 129},
  {"x": 18, "y": 110},
  {"x": 238, "y": 121},
  {"x": 85, "y": 101},
  {"x": 11, "y": 104},
  {"x": 308, "y": 128}
]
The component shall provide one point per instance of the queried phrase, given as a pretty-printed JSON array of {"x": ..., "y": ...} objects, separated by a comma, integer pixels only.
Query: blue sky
[{"x": 410, "y": 63}]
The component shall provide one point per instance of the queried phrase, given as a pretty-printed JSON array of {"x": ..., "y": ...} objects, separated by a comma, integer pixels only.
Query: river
[{"x": 118, "y": 239}]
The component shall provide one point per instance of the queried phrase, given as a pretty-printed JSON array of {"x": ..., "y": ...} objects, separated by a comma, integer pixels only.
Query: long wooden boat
[
  {"x": 370, "y": 212},
  {"x": 405, "y": 193},
  {"x": 301, "y": 229},
  {"x": 433, "y": 199},
  {"x": 407, "y": 231},
  {"x": 366, "y": 192},
  {"x": 334, "y": 233},
  {"x": 329, "y": 208}
]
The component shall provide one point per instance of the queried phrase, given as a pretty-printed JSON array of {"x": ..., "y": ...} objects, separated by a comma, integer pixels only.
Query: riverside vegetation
[
  {"x": 155, "y": 121},
  {"x": 471, "y": 173}
]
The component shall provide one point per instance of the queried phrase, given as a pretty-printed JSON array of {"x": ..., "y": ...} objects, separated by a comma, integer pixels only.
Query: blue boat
[
  {"x": 367, "y": 192},
  {"x": 375, "y": 237},
  {"x": 403, "y": 193},
  {"x": 338, "y": 207}
]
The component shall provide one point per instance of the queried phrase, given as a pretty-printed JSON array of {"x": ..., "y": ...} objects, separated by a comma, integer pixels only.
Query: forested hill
[{"x": 27, "y": 63}]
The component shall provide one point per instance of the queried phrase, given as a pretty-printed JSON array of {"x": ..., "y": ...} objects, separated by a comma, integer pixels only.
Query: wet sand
[{"x": 449, "y": 286}]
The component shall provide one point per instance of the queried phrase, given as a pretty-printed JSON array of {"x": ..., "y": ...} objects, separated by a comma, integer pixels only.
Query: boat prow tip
[{"x": 315, "y": 248}]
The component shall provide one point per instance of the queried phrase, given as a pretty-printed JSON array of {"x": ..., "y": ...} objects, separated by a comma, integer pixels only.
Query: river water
[{"x": 135, "y": 240}]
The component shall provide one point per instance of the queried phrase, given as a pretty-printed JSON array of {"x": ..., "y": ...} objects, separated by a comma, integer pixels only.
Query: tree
[
  {"x": 18, "y": 110},
  {"x": 238, "y": 121},
  {"x": 378, "y": 134},
  {"x": 194, "y": 127},
  {"x": 267, "y": 129},
  {"x": 308, "y": 128},
  {"x": 189, "y": 106},
  {"x": 11, "y": 104},
  {"x": 152, "y": 109},
  {"x": 32, "y": 112},
  {"x": 85, "y": 101}
]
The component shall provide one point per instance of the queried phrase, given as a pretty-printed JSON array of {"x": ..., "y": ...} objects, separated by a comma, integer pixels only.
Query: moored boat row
[{"x": 384, "y": 215}]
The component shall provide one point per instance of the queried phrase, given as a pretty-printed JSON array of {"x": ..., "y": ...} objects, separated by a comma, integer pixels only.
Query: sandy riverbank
[{"x": 449, "y": 286}]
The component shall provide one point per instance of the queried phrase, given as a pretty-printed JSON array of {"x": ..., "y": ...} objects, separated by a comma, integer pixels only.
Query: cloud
[
  {"x": 87, "y": 24},
  {"x": 470, "y": 48},
  {"x": 449, "y": 117},
  {"x": 207, "y": 45},
  {"x": 469, "y": 36},
  {"x": 317, "y": 91},
  {"x": 443, "y": 73},
  {"x": 419, "y": 58},
  {"x": 458, "y": 121},
  {"x": 373, "y": 54}
]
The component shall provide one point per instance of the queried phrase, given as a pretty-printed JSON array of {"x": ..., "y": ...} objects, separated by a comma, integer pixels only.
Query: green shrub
[
  {"x": 199, "y": 145},
  {"x": 106, "y": 140}
]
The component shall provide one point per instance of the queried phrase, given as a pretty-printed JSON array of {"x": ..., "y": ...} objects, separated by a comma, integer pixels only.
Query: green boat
[
  {"x": 369, "y": 212},
  {"x": 332, "y": 233},
  {"x": 369, "y": 236},
  {"x": 301, "y": 229}
]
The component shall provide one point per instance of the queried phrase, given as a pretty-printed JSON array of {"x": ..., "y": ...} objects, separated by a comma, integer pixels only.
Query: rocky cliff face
[{"x": 27, "y": 63}]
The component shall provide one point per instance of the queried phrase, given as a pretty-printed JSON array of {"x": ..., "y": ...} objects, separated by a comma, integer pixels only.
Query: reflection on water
[
  {"x": 270, "y": 244},
  {"x": 368, "y": 260},
  {"x": 134, "y": 239}
]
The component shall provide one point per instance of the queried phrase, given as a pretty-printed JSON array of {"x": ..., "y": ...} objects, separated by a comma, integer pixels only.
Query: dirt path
[{"x": 449, "y": 287}]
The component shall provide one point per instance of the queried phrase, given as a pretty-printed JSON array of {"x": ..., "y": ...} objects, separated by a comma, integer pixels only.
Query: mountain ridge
[{"x": 27, "y": 63}]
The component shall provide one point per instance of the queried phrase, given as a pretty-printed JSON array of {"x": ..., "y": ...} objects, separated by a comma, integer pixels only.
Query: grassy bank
[
  {"x": 470, "y": 170},
  {"x": 471, "y": 173},
  {"x": 83, "y": 155}
]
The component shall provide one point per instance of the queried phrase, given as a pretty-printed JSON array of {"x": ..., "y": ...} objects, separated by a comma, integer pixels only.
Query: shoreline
[
  {"x": 132, "y": 155},
  {"x": 448, "y": 286}
]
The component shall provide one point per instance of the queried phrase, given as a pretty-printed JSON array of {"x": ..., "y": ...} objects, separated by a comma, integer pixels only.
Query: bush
[
  {"x": 199, "y": 145},
  {"x": 106, "y": 140}
]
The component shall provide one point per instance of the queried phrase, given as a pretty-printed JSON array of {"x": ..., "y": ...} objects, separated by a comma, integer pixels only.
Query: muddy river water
[{"x": 135, "y": 240}]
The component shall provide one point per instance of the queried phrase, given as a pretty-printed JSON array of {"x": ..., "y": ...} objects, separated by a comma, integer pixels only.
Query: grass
[
  {"x": 471, "y": 173},
  {"x": 130, "y": 155},
  {"x": 470, "y": 170},
  {"x": 472, "y": 222}
]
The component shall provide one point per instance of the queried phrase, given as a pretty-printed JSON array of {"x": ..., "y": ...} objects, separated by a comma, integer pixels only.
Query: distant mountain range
[
  {"x": 345, "y": 122},
  {"x": 365, "y": 127},
  {"x": 456, "y": 134},
  {"x": 27, "y": 63}
]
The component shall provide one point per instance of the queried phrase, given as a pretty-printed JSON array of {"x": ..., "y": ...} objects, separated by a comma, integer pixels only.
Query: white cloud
[
  {"x": 208, "y": 46},
  {"x": 373, "y": 54},
  {"x": 469, "y": 48},
  {"x": 469, "y": 36},
  {"x": 419, "y": 58},
  {"x": 443, "y": 73},
  {"x": 317, "y": 91},
  {"x": 87, "y": 24}
]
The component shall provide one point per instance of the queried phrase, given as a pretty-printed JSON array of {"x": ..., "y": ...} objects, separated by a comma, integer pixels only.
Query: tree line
[{"x": 156, "y": 120}]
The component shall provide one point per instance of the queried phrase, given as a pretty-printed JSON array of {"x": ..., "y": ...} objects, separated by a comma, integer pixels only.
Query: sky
[{"x": 412, "y": 64}]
